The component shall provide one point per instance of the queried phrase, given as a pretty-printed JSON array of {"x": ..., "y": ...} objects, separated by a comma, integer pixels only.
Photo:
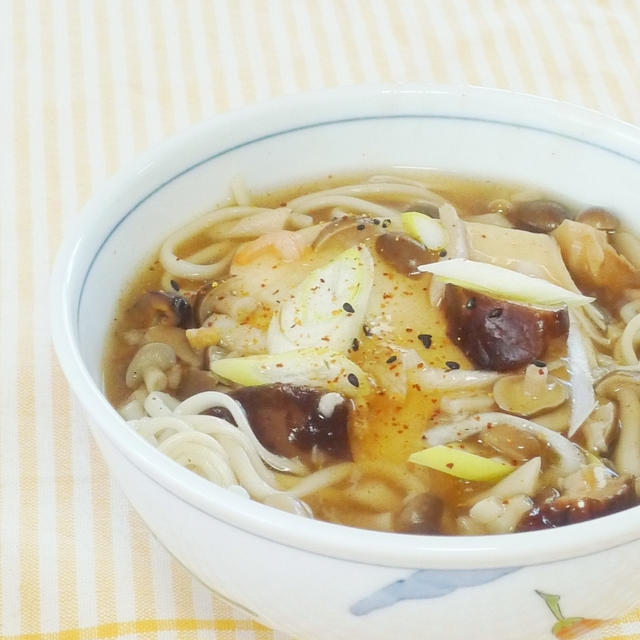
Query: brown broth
[{"x": 385, "y": 431}]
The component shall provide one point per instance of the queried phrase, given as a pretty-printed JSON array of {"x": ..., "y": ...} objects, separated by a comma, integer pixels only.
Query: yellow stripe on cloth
[{"x": 118, "y": 629}]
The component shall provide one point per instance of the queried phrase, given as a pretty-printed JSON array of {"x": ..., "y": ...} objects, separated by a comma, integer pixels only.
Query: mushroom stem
[
  {"x": 535, "y": 380},
  {"x": 626, "y": 455},
  {"x": 154, "y": 379}
]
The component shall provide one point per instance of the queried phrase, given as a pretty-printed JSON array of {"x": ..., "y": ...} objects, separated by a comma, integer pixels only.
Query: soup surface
[{"x": 407, "y": 352}]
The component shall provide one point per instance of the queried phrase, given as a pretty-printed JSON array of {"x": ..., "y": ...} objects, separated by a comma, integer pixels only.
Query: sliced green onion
[
  {"x": 461, "y": 464},
  {"x": 504, "y": 284},
  {"x": 313, "y": 367}
]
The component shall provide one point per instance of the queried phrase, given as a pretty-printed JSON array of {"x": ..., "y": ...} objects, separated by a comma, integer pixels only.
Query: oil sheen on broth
[{"x": 402, "y": 351}]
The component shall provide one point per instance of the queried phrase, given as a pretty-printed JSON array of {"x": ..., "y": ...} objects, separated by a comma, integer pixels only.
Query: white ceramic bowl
[{"x": 320, "y": 581}]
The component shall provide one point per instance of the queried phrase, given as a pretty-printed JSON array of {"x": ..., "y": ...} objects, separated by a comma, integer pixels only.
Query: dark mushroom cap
[
  {"x": 599, "y": 218},
  {"x": 538, "y": 216},
  {"x": 404, "y": 253},
  {"x": 421, "y": 514}
]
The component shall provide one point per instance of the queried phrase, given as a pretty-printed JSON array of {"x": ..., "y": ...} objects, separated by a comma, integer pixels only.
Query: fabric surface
[{"x": 87, "y": 85}]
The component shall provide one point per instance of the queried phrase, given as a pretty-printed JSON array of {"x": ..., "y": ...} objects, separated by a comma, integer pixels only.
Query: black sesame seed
[
  {"x": 360, "y": 227},
  {"x": 365, "y": 329},
  {"x": 348, "y": 308},
  {"x": 539, "y": 363},
  {"x": 495, "y": 313},
  {"x": 174, "y": 285},
  {"x": 353, "y": 379},
  {"x": 392, "y": 359},
  {"x": 376, "y": 221},
  {"x": 425, "y": 338},
  {"x": 355, "y": 345},
  {"x": 385, "y": 223},
  {"x": 443, "y": 253},
  {"x": 452, "y": 364},
  {"x": 471, "y": 303}
]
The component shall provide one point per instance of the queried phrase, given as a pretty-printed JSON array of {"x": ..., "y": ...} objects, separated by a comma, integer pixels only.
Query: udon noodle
[{"x": 404, "y": 352}]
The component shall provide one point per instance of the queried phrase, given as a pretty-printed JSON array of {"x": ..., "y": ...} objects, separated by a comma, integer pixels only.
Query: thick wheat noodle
[
  {"x": 217, "y": 428},
  {"x": 159, "y": 404},
  {"x": 596, "y": 316},
  {"x": 206, "y": 400},
  {"x": 627, "y": 341},
  {"x": 188, "y": 447},
  {"x": 590, "y": 329},
  {"x": 355, "y": 205},
  {"x": 223, "y": 453},
  {"x": 152, "y": 429},
  {"x": 321, "y": 478},
  {"x": 210, "y": 429},
  {"x": 377, "y": 190},
  {"x": 629, "y": 310},
  {"x": 457, "y": 247},
  {"x": 450, "y": 379},
  {"x": 186, "y": 269},
  {"x": 464, "y": 405}
]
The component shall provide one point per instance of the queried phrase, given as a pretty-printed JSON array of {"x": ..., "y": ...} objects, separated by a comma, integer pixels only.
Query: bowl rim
[{"x": 371, "y": 547}]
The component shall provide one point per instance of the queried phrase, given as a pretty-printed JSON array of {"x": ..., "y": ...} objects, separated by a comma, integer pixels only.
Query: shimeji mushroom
[
  {"x": 622, "y": 389},
  {"x": 529, "y": 393},
  {"x": 600, "y": 427},
  {"x": 149, "y": 365}
]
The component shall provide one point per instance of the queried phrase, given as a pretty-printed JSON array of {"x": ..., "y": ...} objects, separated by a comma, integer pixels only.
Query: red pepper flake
[
  {"x": 449, "y": 465},
  {"x": 409, "y": 330},
  {"x": 279, "y": 365}
]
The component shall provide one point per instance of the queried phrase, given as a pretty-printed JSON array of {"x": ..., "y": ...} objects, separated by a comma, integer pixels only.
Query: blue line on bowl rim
[{"x": 315, "y": 125}]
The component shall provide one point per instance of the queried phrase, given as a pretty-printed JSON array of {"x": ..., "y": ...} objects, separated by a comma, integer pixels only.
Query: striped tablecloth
[{"x": 86, "y": 85}]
